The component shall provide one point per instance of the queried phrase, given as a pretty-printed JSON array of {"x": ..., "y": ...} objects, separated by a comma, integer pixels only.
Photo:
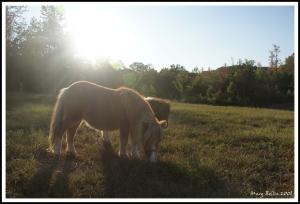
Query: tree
[
  {"x": 289, "y": 63},
  {"x": 15, "y": 23},
  {"x": 286, "y": 78},
  {"x": 140, "y": 67},
  {"x": 273, "y": 58},
  {"x": 196, "y": 70},
  {"x": 15, "y": 26},
  {"x": 181, "y": 83},
  {"x": 52, "y": 23},
  {"x": 164, "y": 84}
]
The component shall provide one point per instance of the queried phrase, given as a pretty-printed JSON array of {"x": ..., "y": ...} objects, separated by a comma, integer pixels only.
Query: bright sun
[{"x": 99, "y": 34}]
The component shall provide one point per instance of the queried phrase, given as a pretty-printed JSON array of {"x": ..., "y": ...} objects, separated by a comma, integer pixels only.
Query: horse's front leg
[{"x": 136, "y": 142}]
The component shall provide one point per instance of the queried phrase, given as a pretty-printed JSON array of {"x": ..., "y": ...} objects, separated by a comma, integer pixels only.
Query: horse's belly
[
  {"x": 103, "y": 123},
  {"x": 101, "y": 109}
]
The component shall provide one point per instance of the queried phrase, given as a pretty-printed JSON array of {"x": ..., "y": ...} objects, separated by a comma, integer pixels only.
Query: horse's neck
[{"x": 148, "y": 117}]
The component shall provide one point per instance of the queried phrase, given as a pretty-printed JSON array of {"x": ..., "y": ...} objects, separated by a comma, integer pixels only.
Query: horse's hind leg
[
  {"x": 124, "y": 132},
  {"x": 105, "y": 136},
  {"x": 71, "y": 132},
  {"x": 57, "y": 143}
]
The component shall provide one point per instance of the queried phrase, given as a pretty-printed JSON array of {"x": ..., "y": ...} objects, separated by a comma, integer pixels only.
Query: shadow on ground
[
  {"x": 51, "y": 180},
  {"x": 128, "y": 178}
]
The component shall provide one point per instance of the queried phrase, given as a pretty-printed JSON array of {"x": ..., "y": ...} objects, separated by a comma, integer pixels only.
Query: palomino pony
[{"x": 105, "y": 109}]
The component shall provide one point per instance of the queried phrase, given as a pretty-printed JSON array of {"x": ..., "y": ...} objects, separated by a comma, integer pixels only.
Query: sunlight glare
[{"x": 99, "y": 33}]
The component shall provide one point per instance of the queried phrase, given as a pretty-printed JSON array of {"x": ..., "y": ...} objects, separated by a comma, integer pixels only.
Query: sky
[{"x": 202, "y": 36}]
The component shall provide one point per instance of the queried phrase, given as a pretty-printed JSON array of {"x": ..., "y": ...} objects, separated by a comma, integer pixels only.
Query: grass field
[{"x": 207, "y": 152}]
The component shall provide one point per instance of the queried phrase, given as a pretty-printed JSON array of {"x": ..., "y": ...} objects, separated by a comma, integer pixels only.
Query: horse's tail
[{"x": 57, "y": 117}]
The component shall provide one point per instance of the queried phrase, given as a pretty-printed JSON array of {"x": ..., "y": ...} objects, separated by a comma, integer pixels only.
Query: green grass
[{"x": 207, "y": 152}]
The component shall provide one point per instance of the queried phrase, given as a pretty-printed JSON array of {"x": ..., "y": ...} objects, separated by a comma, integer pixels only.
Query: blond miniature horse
[{"x": 105, "y": 109}]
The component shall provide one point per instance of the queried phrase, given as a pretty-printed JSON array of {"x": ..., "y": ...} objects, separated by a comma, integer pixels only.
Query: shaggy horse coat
[{"x": 105, "y": 109}]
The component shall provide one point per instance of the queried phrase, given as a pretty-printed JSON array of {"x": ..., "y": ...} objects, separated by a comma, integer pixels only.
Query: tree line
[{"x": 40, "y": 59}]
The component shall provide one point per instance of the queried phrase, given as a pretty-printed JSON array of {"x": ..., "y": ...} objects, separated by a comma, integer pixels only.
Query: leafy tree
[
  {"x": 15, "y": 26},
  {"x": 140, "y": 67},
  {"x": 273, "y": 58}
]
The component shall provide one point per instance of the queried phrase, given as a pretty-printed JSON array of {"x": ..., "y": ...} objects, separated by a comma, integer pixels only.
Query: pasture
[{"x": 206, "y": 152}]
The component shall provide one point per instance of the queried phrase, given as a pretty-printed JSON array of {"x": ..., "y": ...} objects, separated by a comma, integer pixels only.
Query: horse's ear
[{"x": 163, "y": 123}]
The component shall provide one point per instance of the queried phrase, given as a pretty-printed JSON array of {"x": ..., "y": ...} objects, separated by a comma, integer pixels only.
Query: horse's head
[
  {"x": 152, "y": 137},
  {"x": 161, "y": 109}
]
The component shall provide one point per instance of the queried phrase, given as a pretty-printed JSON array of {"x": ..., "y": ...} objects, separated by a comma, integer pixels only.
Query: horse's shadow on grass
[
  {"x": 51, "y": 178},
  {"x": 127, "y": 178}
]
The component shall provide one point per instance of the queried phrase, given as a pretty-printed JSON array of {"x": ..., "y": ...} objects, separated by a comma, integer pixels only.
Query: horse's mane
[{"x": 159, "y": 99}]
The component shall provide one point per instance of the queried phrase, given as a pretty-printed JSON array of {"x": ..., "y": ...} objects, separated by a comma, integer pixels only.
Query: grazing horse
[
  {"x": 161, "y": 109},
  {"x": 105, "y": 109}
]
